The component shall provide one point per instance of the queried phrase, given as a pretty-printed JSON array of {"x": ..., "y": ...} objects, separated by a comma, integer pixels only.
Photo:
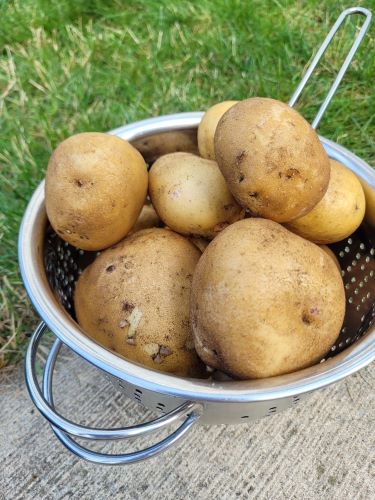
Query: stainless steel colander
[{"x": 50, "y": 267}]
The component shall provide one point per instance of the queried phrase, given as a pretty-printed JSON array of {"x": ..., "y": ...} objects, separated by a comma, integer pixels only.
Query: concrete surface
[{"x": 322, "y": 449}]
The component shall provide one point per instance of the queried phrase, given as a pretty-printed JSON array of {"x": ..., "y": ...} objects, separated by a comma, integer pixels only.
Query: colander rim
[{"x": 334, "y": 369}]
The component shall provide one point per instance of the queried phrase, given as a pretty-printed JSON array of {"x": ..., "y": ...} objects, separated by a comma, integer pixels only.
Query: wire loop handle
[
  {"x": 63, "y": 427},
  {"x": 344, "y": 67}
]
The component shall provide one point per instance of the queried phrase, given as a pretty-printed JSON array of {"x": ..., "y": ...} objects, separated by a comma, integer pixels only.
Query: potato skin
[
  {"x": 156, "y": 145},
  {"x": 329, "y": 252},
  {"x": 264, "y": 301},
  {"x": 370, "y": 202},
  {"x": 147, "y": 218},
  {"x": 271, "y": 158},
  {"x": 143, "y": 281},
  {"x": 95, "y": 188},
  {"x": 200, "y": 243},
  {"x": 190, "y": 195},
  {"x": 207, "y": 128},
  {"x": 338, "y": 214}
]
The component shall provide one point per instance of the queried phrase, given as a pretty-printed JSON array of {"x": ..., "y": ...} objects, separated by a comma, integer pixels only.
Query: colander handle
[
  {"x": 344, "y": 67},
  {"x": 64, "y": 428}
]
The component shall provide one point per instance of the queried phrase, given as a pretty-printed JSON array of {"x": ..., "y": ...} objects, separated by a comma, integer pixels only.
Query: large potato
[
  {"x": 190, "y": 195},
  {"x": 339, "y": 212},
  {"x": 95, "y": 188},
  {"x": 134, "y": 299},
  {"x": 271, "y": 158},
  {"x": 207, "y": 128},
  {"x": 264, "y": 301}
]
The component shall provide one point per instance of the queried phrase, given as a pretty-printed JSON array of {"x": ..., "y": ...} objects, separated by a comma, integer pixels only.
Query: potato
[
  {"x": 147, "y": 218},
  {"x": 190, "y": 195},
  {"x": 156, "y": 145},
  {"x": 329, "y": 252},
  {"x": 95, "y": 188},
  {"x": 339, "y": 212},
  {"x": 370, "y": 202},
  {"x": 200, "y": 243},
  {"x": 207, "y": 128},
  {"x": 271, "y": 158},
  {"x": 264, "y": 301},
  {"x": 134, "y": 300}
]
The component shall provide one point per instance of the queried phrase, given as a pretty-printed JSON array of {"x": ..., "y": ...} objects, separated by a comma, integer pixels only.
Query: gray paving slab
[{"x": 322, "y": 449}]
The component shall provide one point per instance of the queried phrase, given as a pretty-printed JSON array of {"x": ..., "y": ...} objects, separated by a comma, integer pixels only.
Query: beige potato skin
[
  {"x": 370, "y": 202},
  {"x": 271, "y": 158},
  {"x": 147, "y": 218},
  {"x": 95, "y": 188},
  {"x": 200, "y": 243},
  {"x": 190, "y": 195},
  {"x": 264, "y": 301},
  {"x": 144, "y": 280},
  {"x": 157, "y": 145},
  {"x": 207, "y": 128},
  {"x": 338, "y": 214},
  {"x": 329, "y": 252}
]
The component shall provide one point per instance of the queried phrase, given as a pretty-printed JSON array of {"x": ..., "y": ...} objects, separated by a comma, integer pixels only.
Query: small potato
[
  {"x": 200, "y": 243},
  {"x": 370, "y": 202},
  {"x": 95, "y": 188},
  {"x": 207, "y": 128},
  {"x": 264, "y": 301},
  {"x": 156, "y": 145},
  {"x": 271, "y": 158},
  {"x": 134, "y": 300},
  {"x": 190, "y": 195},
  {"x": 339, "y": 212},
  {"x": 147, "y": 218}
]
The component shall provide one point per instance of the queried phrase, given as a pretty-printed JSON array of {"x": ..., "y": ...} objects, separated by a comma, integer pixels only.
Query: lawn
[{"x": 73, "y": 66}]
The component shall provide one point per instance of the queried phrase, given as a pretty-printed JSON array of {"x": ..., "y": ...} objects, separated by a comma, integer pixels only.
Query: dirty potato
[
  {"x": 271, "y": 158},
  {"x": 264, "y": 301},
  {"x": 134, "y": 300}
]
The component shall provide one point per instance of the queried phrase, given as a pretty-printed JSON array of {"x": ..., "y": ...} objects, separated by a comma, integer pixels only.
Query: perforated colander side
[{"x": 64, "y": 263}]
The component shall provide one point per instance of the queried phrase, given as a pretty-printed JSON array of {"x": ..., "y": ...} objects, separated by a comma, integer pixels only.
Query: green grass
[{"x": 73, "y": 66}]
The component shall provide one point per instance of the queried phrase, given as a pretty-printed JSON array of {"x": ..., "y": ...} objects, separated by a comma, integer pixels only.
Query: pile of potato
[{"x": 224, "y": 265}]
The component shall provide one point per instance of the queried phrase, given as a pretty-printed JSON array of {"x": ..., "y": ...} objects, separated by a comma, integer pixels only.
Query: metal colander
[{"x": 50, "y": 267}]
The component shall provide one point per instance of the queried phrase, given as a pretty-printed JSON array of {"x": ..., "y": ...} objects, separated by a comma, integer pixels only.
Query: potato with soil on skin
[
  {"x": 264, "y": 301},
  {"x": 271, "y": 158},
  {"x": 207, "y": 128},
  {"x": 96, "y": 185},
  {"x": 338, "y": 214},
  {"x": 134, "y": 300},
  {"x": 190, "y": 195}
]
